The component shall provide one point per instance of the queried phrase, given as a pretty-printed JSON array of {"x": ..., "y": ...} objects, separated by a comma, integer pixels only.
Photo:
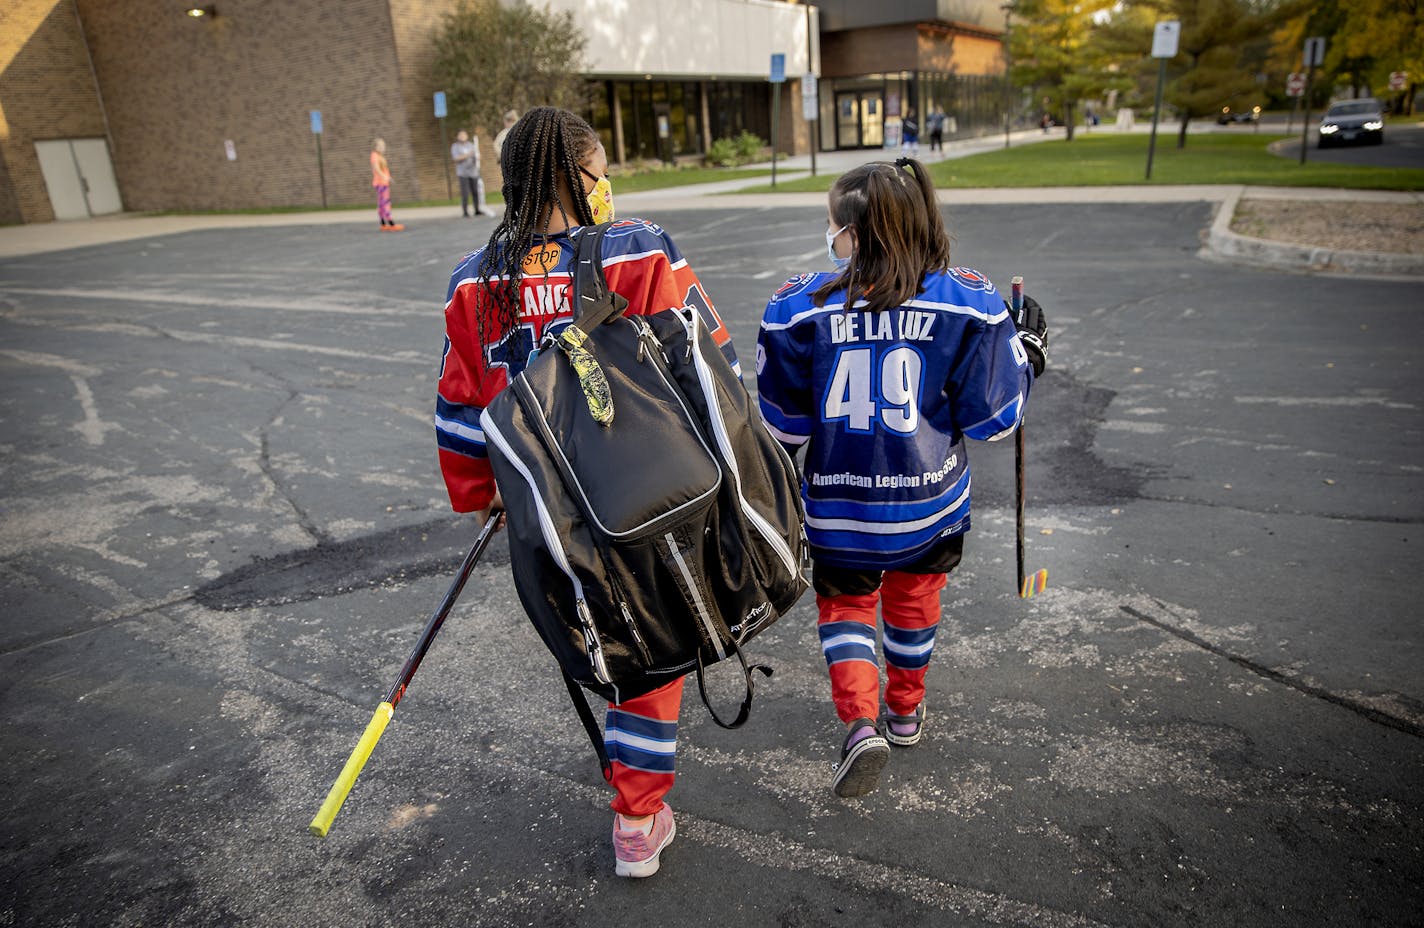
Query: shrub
[
  {"x": 723, "y": 153},
  {"x": 748, "y": 146}
]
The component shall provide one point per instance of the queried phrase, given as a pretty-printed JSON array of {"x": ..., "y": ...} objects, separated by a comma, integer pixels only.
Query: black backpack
[{"x": 656, "y": 542}]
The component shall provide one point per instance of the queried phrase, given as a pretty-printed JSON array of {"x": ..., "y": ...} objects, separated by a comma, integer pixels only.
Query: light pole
[{"x": 1008, "y": 9}]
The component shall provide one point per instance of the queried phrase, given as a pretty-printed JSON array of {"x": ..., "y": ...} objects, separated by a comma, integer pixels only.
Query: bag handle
[{"x": 746, "y": 707}]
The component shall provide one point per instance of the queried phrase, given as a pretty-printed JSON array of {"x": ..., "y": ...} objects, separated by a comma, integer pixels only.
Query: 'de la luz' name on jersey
[
  {"x": 641, "y": 263},
  {"x": 884, "y": 401}
]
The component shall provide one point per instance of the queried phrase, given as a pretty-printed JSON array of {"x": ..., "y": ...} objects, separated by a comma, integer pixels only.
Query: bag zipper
[{"x": 637, "y": 635}]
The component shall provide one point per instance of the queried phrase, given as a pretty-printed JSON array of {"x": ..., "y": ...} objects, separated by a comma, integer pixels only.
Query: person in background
[
  {"x": 880, "y": 370},
  {"x": 503, "y": 299},
  {"x": 936, "y": 127},
  {"x": 381, "y": 180},
  {"x": 466, "y": 155},
  {"x": 910, "y": 134},
  {"x": 510, "y": 118}
]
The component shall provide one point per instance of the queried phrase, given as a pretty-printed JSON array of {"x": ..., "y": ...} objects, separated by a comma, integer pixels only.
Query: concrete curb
[{"x": 1243, "y": 249}]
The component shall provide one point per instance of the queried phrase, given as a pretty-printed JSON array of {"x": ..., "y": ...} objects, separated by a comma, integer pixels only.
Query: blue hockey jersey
[{"x": 883, "y": 401}]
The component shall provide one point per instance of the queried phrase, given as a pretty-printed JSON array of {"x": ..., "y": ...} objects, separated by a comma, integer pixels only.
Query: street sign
[
  {"x": 1165, "y": 38},
  {"x": 440, "y": 111},
  {"x": 1315, "y": 52},
  {"x": 1295, "y": 84},
  {"x": 316, "y": 122},
  {"x": 810, "y": 98},
  {"x": 1397, "y": 80},
  {"x": 778, "y": 68}
]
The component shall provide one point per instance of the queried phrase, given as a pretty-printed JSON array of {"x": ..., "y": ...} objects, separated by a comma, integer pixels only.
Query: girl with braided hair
[
  {"x": 879, "y": 370},
  {"x": 502, "y": 301}
]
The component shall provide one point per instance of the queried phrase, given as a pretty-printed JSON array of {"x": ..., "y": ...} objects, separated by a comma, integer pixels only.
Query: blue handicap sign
[
  {"x": 316, "y": 122},
  {"x": 439, "y": 104},
  {"x": 778, "y": 69}
]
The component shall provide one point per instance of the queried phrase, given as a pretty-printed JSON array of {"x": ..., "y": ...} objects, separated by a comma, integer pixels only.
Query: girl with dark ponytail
[
  {"x": 502, "y": 301},
  {"x": 880, "y": 370}
]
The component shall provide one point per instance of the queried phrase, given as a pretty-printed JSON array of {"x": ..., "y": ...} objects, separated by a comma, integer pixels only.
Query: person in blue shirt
[{"x": 880, "y": 370}]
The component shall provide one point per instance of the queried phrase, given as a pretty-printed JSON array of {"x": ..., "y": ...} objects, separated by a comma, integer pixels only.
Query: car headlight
[
  {"x": 1374, "y": 125},
  {"x": 1329, "y": 130}
]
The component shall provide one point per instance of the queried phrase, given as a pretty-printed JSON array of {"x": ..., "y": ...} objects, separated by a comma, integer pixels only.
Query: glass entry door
[{"x": 860, "y": 119}]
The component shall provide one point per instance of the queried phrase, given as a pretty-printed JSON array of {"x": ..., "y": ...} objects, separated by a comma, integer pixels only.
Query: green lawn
[
  {"x": 1112, "y": 160},
  {"x": 659, "y": 180}
]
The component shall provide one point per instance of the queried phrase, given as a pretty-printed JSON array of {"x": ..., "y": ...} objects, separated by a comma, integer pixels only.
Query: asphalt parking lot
[{"x": 224, "y": 527}]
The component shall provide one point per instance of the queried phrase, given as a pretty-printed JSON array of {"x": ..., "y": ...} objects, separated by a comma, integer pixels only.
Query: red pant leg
[
  {"x": 910, "y": 607},
  {"x": 640, "y": 735},
  {"x": 847, "y": 631}
]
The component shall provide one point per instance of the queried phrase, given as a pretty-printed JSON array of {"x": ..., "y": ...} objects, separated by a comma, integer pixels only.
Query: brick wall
[
  {"x": 960, "y": 53},
  {"x": 47, "y": 91},
  {"x": 869, "y": 51},
  {"x": 177, "y": 87}
]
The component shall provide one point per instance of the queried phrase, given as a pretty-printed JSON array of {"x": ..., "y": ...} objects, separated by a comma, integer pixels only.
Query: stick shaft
[
  {"x": 1017, "y": 305},
  {"x": 437, "y": 618},
  {"x": 362, "y": 752},
  {"x": 347, "y": 778},
  {"x": 1019, "y": 503}
]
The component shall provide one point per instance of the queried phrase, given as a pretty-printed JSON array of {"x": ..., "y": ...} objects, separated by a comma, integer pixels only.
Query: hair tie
[{"x": 903, "y": 163}]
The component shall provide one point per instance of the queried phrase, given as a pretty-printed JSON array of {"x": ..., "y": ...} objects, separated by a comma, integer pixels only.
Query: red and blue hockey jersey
[
  {"x": 641, "y": 263},
  {"x": 883, "y": 401}
]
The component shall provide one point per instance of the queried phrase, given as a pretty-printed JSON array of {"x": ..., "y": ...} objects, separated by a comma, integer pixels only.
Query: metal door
[
  {"x": 79, "y": 177},
  {"x": 860, "y": 119}
]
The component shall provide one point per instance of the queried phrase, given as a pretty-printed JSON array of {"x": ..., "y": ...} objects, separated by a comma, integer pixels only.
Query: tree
[
  {"x": 1223, "y": 46},
  {"x": 1049, "y": 44},
  {"x": 490, "y": 58},
  {"x": 1366, "y": 40}
]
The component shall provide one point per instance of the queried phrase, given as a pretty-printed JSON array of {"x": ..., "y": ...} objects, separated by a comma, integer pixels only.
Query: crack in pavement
[
  {"x": 331, "y": 568},
  {"x": 1368, "y": 713}
]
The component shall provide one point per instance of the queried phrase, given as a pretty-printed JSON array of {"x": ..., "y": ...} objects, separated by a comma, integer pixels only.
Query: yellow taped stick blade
[
  {"x": 347, "y": 778},
  {"x": 1034, "y": 583}
]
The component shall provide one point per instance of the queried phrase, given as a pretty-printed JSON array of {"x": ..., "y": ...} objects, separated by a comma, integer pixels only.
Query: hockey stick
[
  {"x": 1039, "y": 580},
  {"x": 347, "y": 778}
]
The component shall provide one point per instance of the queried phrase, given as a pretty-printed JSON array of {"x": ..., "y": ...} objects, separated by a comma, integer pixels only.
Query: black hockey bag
[{"x": 655, "y": 526}]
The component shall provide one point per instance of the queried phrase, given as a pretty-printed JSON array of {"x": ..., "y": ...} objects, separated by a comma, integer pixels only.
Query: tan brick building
[{"x": 136, "y": 105}]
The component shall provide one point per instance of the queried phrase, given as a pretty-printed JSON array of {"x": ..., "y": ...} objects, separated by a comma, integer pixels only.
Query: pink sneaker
[{"x": 637, "y": 852}]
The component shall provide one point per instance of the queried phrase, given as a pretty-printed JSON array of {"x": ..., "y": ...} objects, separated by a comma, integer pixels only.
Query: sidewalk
[{"x": 1220, "y": 242}]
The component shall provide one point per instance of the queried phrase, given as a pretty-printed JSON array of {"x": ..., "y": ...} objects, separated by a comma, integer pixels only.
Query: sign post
[
  {"x": 778, "y": 77},
  {"x": 1295, "y": 86},
  {"x": 444, "y": 145},
  {"x": 811, "y": 112},
  {"x": 1314, "y": 56},
  {"x": 320, "y": 169},
  {"x": 1164, "y": 45}
]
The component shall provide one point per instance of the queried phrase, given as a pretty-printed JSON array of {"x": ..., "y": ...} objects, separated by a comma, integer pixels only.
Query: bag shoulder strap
[
  {"x": 594, "y": 304},
  {"x": 590, "y": 725}
]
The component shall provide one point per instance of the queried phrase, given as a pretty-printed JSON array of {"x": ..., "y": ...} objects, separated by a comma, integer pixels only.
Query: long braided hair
[{"x": 543, "y": 148}]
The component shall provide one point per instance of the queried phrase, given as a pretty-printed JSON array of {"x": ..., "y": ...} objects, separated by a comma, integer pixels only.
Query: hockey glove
[{"x": 1033, "y": 333}]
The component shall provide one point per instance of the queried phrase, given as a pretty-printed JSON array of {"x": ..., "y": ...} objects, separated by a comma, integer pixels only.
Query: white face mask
[{"x": 836, "y": 260}]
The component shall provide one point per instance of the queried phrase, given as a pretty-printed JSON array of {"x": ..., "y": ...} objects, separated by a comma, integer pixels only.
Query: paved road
[
  {"x": 1403, "y": 147},
  {"x": 224, "y": 527}
]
